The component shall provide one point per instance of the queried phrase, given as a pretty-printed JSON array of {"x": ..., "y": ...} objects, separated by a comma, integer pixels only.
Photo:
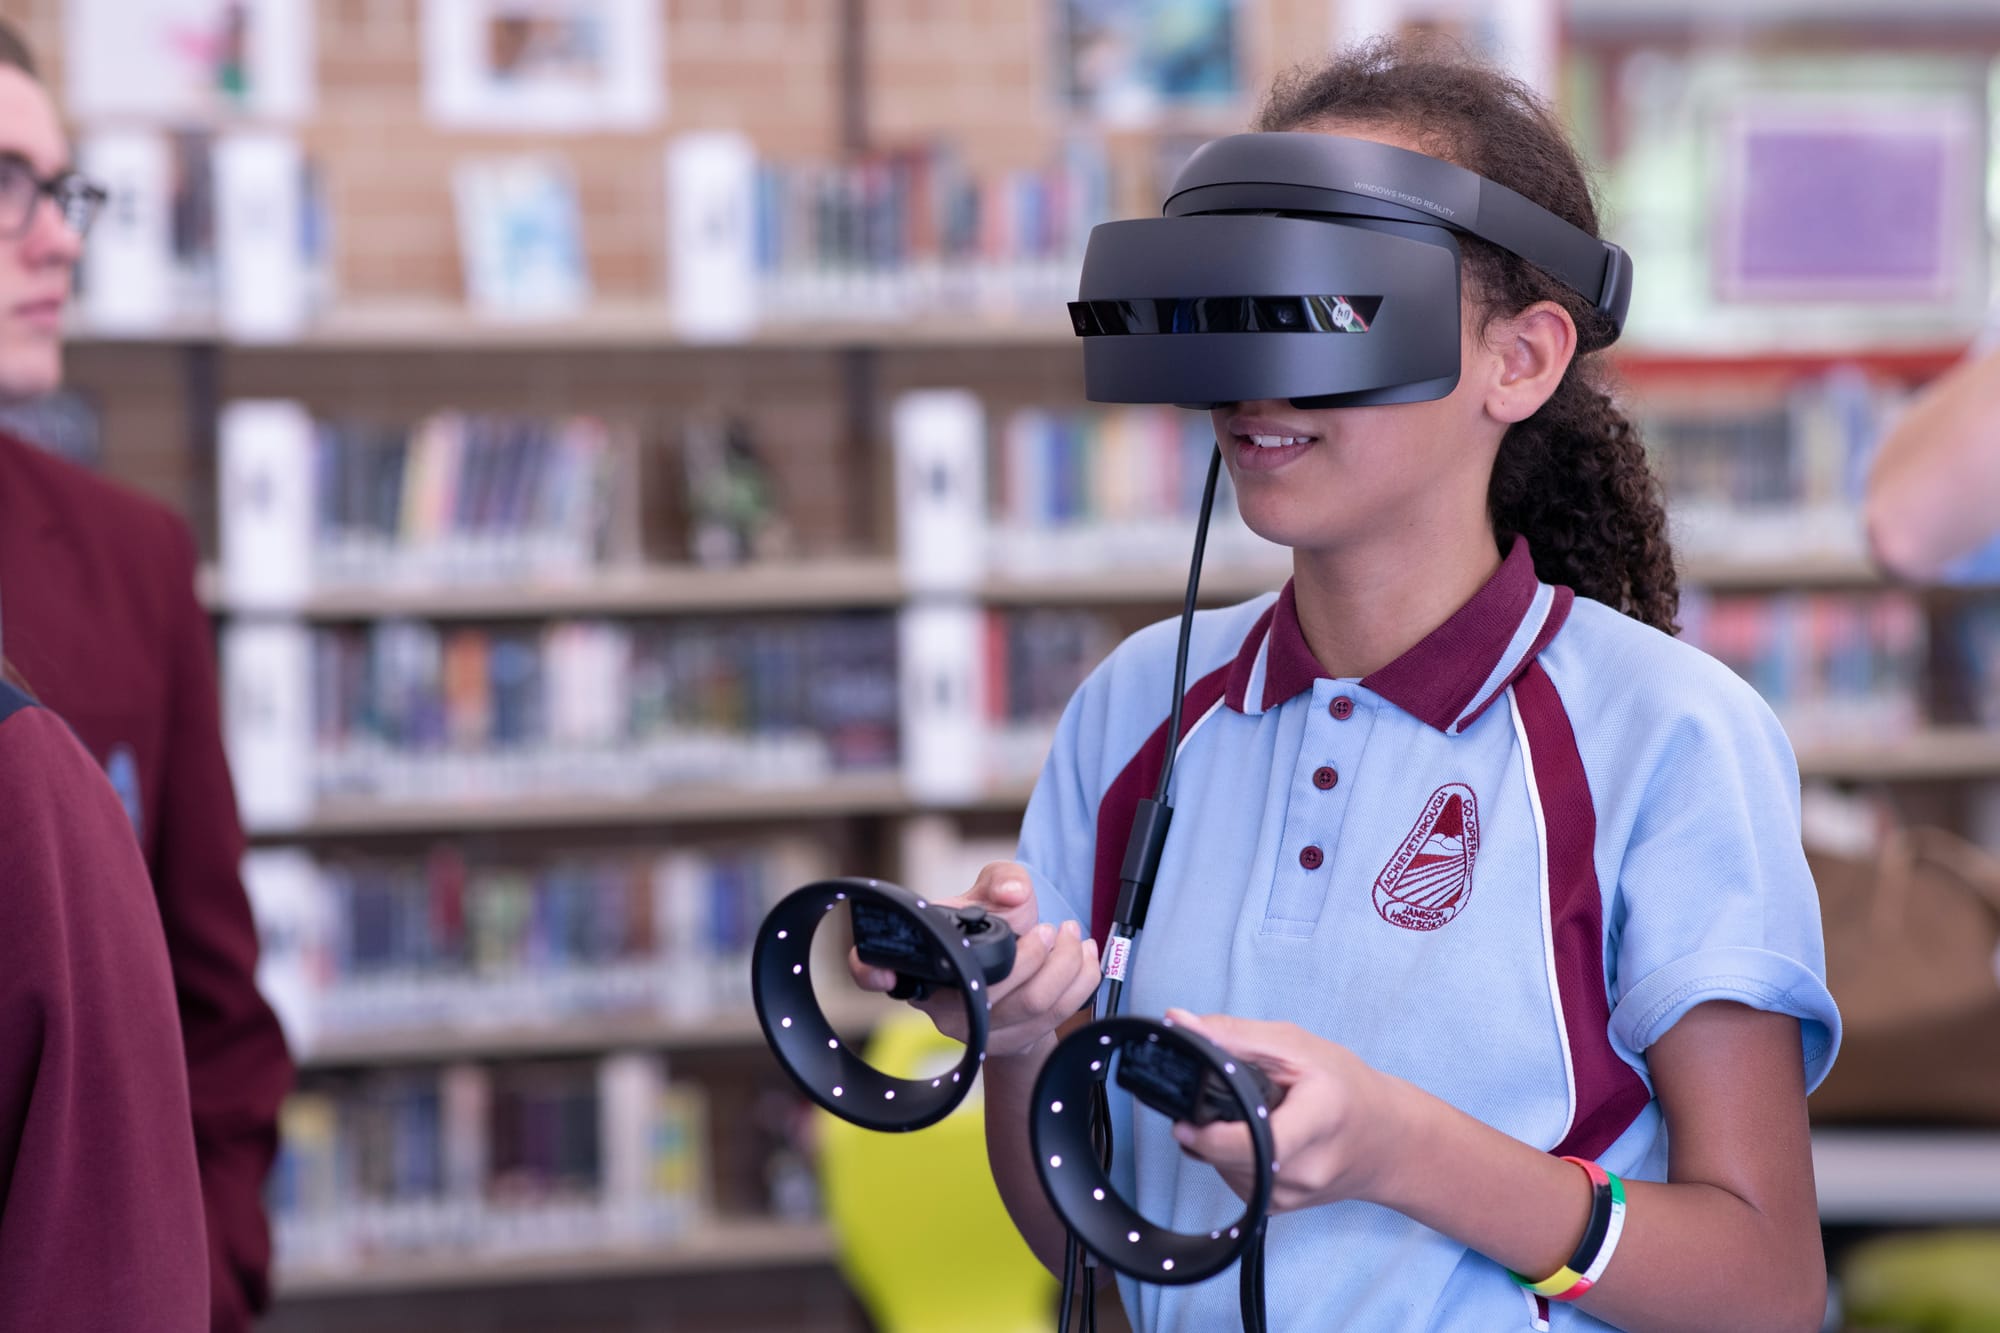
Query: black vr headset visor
[{"x": 1311, "y": 268}]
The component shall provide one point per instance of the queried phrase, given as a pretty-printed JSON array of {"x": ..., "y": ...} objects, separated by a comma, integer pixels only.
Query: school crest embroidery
[{"x": 1429, "y": 879}]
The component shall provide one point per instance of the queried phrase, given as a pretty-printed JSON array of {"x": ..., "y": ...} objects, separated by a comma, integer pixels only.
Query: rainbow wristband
[{"x": 1600, "y": 1237}]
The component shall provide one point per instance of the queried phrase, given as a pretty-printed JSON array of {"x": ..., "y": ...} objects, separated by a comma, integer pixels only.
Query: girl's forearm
[
  {"x": 1009, "y": 1082},
  {"x": 1692, "y": 1256}
]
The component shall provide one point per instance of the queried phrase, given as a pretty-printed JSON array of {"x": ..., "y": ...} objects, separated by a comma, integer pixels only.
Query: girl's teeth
[{"x": 1276, "y": 441}]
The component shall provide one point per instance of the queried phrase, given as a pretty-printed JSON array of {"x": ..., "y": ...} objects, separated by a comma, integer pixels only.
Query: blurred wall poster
[
  {"x": 154, "y": 58},
  {"x": 1860, "y": 198},
  {"x": 520, "y": 237},
  {"x": 549, "y": 65},
  {"x": 1127, "y": 62}
]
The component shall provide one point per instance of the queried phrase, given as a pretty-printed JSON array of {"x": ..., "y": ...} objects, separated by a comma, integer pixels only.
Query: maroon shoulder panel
[
  {"x": 1135, "y": 782},
  {"x": 1609, "y": 1096}
]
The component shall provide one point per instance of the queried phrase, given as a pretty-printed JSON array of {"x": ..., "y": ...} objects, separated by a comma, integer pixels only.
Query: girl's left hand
[{"x": 1331, "y": 1136}]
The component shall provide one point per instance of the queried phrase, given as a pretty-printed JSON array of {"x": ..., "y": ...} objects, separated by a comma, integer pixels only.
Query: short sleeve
[
  {"x": 1714, "y": 899},
  {"x": 1059, "y": 832}
]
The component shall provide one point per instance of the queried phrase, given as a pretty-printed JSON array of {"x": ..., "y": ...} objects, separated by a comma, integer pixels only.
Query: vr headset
[{"x": 1312, "y": 268}]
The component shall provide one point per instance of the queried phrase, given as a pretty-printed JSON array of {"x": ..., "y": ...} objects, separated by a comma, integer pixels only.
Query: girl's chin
[{"x": 1288, "y": 529}]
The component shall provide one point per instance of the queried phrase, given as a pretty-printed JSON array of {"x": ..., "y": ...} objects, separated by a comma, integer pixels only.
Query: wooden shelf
[
  {"x": 1123, "y": 586},
  {"x": 1864, "y": 1177},
  {"x": 641, "y": 326},
  {"x": 839, "y": 584},
  {"x": 694, "y": 802},
  {"x": 1874, "y": 1176},
  {"x": 637, "y": 326},
  {"x": 1933, "y": 755},
  {"x": 1826, "y": 571},
  {"x": 707, "y": 1248},
  {"x": 834, "y": 584},
  {"x": 859, "y": 582},
  {"x": 441, "y": 1044},
  {"x": 840, "y": 796}
]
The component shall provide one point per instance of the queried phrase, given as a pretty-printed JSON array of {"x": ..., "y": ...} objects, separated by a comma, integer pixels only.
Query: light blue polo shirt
[{"x": 1500, "y": 867}]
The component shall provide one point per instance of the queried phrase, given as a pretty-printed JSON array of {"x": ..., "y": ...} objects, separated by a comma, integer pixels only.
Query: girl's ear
[{"x": 1531, "y": 351}]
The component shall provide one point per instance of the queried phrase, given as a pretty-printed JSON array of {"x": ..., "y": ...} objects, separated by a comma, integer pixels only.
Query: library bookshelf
[{"x": 399, "y": 342}]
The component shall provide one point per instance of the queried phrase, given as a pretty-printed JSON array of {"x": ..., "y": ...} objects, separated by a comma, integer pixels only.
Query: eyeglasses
[{"x": 76, "y": 198}]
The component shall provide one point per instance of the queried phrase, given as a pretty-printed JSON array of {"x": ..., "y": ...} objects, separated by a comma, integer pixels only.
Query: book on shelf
[
  {"x": 264, "y": 472},
  {"x": 228, "y": 227},
  {"x": 295, "y": 926},
  {"x": 939, "y": 440},
  {"x": 126, "y": 281},
  {"x": 939, "y": 652},
  {"x": 520, "y": 235},
  {"x": 711, "y": 235},
  {"x": 488, "y": 1161},
  {"x": 448, "y": 945},
  {"x": 1762, "y": 474},
  {"x": 455, "y": 499},
  {"x": 267, "y": 720},
  {"x": 917, "y": 229},
  {"x": 406, "y": 710},
  {"x": 1973, "y": 632},
  {"x": 1049, "y": 493},
  {"x": 263, "y": 292},
  {"x": 1034, "y": 661},
  {"x": 1111, "y": 488}
]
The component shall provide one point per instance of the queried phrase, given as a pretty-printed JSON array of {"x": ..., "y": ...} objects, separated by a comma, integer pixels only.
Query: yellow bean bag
[{"x": 922, "y": 1236}]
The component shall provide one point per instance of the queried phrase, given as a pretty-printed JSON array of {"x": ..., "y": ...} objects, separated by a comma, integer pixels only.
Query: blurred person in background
[
  {"x": 1933, "y": 502},
  {"x": 100, "y": 622}
]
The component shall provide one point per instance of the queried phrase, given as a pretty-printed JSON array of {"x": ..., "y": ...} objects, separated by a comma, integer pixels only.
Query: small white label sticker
[{"x": 1115, "y": 960}]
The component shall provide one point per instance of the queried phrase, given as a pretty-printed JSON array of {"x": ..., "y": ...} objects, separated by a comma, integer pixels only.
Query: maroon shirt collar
[{"x": 1437, "y": 679}]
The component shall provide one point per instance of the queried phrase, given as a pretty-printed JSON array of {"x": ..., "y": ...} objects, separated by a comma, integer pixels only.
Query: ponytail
[{"x": 1573, "y": 479}]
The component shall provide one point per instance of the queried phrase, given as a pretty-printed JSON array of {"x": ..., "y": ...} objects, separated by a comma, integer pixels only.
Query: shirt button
[
  {"x": 1325, "y": 778},
  {"x": 1311, "y": 857},
  {"x": 1342, "y": 708}
]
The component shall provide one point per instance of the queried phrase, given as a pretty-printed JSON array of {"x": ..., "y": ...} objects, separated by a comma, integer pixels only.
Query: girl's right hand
[{"x": 1055, "y": 970}]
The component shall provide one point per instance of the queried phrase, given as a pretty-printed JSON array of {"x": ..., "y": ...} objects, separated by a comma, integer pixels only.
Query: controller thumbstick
[{"x": 972, "y": 918}]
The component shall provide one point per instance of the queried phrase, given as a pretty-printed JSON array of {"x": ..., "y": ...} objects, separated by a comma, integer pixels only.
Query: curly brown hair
[{"x": 1573, "y": 478}]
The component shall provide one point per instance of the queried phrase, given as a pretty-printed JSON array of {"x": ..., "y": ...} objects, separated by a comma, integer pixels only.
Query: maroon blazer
[
  {"x": 98, "y": 615},
  {"x": 100, "y": 1203}
]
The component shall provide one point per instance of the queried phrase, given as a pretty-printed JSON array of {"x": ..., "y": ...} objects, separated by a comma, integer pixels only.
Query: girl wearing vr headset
[{"x": 1500, "y": 881}]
